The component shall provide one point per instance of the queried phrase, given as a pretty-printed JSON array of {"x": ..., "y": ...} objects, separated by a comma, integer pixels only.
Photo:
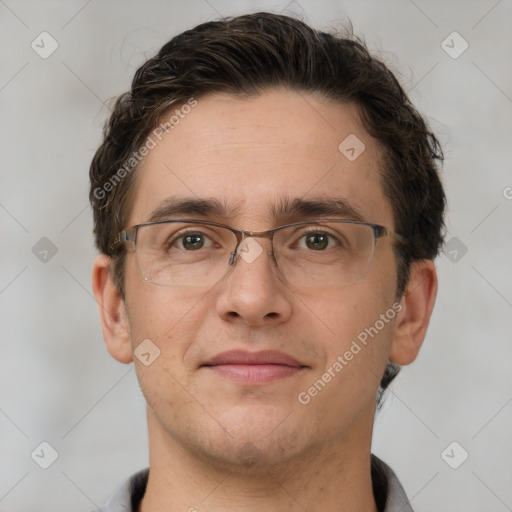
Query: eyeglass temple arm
[
  {"x": 383, "y": 231},
  {"x": 124, "y": 236}
]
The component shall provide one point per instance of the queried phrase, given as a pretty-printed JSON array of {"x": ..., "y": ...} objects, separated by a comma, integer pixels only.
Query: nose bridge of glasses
[{"x": 248, "y": 247}]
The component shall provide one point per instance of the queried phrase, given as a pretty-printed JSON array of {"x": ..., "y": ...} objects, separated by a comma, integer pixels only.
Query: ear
[
  {"x": 417, "y": 305},
  {"x": 113, "y": 314}
]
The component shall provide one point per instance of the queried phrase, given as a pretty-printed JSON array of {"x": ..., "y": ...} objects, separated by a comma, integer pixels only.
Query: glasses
[{"x": 315, "y": 253}]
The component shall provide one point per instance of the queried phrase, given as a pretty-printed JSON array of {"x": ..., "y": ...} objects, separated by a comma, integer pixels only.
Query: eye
[
  {"x": 191, "y": 241},
  {"x": 317, "y": 241}
]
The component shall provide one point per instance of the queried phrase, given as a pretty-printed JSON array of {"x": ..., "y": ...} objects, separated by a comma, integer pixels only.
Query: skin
[{"x": 216, "y": 444}]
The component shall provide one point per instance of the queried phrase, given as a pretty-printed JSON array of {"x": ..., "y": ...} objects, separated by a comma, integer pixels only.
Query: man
[{"x": 267, "y": 207}]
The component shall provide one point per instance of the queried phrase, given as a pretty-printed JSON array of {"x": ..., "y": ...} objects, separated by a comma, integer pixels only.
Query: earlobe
[
  {"x": 114, "y": 318},
  {"x": 417, "y": 305}
]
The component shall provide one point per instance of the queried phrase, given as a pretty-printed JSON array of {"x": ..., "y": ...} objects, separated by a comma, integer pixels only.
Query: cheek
[
  {"x": 357, "y": 323},
  {"x": 356, "y": 357},
  {"x": 169, "y": 320},
  {"x": 153, "y": 309},
  {"x": 342, "y": 314},
  {"x": 170, "y": 317}
]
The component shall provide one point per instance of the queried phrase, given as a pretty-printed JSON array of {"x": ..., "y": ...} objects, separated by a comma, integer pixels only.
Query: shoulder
[
  {"x": 387, "y": 488},
  {"x": 128, "y": 495}
]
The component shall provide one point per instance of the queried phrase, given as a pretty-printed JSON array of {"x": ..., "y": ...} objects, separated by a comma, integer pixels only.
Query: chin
[
  {"x": 256, "y": 438},
  {"x": 251, "y": 456}
]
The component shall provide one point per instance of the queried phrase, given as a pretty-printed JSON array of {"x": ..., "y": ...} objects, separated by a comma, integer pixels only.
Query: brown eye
[
  {"x": 193, "y": 241},
  {"x": 317, "y": 241}
]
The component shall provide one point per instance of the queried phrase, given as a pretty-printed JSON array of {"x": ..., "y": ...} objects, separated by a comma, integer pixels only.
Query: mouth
[{"x": 254, "y": 368}]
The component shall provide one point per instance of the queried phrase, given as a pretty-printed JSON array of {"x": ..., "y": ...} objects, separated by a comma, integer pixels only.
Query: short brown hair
[{"x": 243, "y": 56}]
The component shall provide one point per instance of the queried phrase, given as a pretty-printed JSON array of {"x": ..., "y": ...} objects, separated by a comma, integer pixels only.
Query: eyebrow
[
  {"x": 282, "y": 212},
  {"x": 180, "y": 206},
  {"x": 288, "y": 211}
]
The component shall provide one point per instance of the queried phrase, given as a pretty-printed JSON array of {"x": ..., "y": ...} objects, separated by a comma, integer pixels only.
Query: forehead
[{"x": 253, "y": 154}]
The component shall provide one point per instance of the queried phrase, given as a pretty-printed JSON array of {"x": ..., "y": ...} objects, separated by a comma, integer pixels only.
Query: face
[{"x": 252, "y": 155}]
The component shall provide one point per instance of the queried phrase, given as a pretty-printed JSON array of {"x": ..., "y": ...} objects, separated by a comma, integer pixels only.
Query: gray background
[{"x": 57, "y": 382}]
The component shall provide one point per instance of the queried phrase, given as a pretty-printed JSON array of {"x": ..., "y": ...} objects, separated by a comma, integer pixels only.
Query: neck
[{"x": 336, "y": 478}]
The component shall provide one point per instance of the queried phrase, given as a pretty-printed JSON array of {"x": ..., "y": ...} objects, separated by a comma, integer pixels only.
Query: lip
[
  {"x": 254, "y": 367},
  {"x": 244, "y": 357}
]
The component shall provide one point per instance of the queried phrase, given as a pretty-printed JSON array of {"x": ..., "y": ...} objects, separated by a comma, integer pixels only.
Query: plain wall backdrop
[{"x": 57, "y": 382}]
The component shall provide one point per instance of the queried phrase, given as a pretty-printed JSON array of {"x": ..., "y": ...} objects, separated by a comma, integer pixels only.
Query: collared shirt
[{"x": 388, "y": 492}]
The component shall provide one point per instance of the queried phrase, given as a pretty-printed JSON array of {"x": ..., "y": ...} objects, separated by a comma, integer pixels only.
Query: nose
[{"x": 253, "y": 292}]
